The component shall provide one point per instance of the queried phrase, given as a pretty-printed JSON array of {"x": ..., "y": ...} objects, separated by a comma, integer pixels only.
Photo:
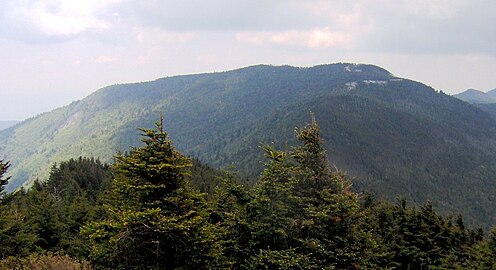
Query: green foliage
[
  {"x": 283, "y": 259},
  {"x": 206, "y": 179},
  {"x": 155, "y": 217},
  {"x": 394, "y": 136},
  {"x": 85, "y": 177},
  {"x": 44, "y": 262},
  {"x": 420, "y": 238},
  {"x": 389, "y": 152},
  {"x": 229, "y": 214},
  {"x": 16, "y": 236},
  {"x": 301, "y": 214},
  {"x": 49, "y": 216},
  {"x": 301, "y": 207},
  {"x": 485, "y": 252}
]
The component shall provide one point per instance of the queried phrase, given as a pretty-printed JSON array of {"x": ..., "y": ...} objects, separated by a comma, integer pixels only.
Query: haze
[{"x": 57, "y": 51}]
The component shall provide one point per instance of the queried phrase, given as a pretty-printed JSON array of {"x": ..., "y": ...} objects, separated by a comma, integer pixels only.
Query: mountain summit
[
  {"x": 395, "y": 136},
  {"x": 477, "y": 97}
]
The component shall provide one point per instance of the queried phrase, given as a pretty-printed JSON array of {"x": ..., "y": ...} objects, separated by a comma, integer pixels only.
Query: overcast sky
[{"x": 57, "y": 51}]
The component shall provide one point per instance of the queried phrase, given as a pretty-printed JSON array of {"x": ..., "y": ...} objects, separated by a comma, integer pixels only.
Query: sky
[{"x": 54, "y": 52}]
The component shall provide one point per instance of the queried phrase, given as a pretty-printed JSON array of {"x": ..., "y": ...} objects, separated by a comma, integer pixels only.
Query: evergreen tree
[
  {"x": 327, "y": 213},
  {"x": 306, "y": 212},
  {"x": 270, "y": 208},
  {"x": 229, "y": 206},
  {"x": 86, "y": 177},
  {"x": 54, "y": 211},
  {"x": 485, "y": 252},
  {"x": 156, "y": 220},
  {"x": 16, "y": 238}
]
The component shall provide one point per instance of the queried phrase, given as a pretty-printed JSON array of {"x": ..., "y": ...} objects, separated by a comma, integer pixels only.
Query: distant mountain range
[
  {"x": 7, "y": 124},
  {"x": 477, "y": 97},
  {"x": 394, "y": 136}
]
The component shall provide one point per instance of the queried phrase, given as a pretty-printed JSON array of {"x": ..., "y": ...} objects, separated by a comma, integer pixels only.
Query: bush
[{"x": 44, "y": 262}]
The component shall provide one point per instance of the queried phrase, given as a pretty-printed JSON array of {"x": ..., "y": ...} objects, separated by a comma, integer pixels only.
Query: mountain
[
  {"x": 485, "y": 101},
  {"x": 7, "y": 124},
  {"x": 394, "y": 136},
  {"x": 477, "y": 97}
]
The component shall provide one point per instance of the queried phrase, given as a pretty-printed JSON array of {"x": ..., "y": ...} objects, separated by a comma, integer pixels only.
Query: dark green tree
[
  {"x": 16, "y": 238},
  {"x": 54, "y": 211},
  {"x": 327, "y": 213},
  {"x": 156, "y": 220},
  {"x": 271, "y": 205},
  {"x": 86, "y": 177},
  {"x": 304, "y": 215},
  {"x": 229, "y": 213}
]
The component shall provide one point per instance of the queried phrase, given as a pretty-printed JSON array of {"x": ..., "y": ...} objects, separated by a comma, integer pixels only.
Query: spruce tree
[
  {"x": 16, "y": 238},
  {"x": 304, "y": 215},
  {"x": 327, "y": 213},
  {"x": 229, "y": 214},
  {"x": 487, "y": 252},
  {"x": 156, "y": 220}
]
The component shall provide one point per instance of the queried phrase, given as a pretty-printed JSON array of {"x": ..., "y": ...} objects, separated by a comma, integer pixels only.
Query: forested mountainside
[
  {"x": 490, "y": 108},
  {"x": 395, "y": 136},
  {"x": 146, "y": 212}
]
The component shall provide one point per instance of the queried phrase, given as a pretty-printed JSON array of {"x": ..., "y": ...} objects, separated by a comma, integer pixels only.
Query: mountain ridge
[
  {"x": 4, "y": 124},
  {"x": 394, "y": 135},
  {"x": 477, "y": 97}
]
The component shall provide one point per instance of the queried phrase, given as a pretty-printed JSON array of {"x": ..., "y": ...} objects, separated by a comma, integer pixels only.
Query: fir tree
[
  {"x": 305, "y": 212},
  {"x": 16, "y": 238},
  {"x": 229, "y": 213},
  {"x": 156, "y": 220},
  {"x": 327, "y": 213}
]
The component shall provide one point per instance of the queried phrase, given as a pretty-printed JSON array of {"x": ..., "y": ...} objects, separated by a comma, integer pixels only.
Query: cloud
[
  {"x": 55, "y": 18},
  {"x": 225, "y": 15},
  {"x": 154, "y": 34},
  {"x": 313, "y": 39},
  {"x": 404, "y": 26},
  {"x": 422, "y": 26},
  {"x": 104, "y": 59}
]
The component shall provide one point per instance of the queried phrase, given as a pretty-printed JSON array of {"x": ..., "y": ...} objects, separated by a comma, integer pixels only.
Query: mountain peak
[
  {"x": 492, "y": 92},
  {"x": 332, "y": 67},
  {"x": 477, "y": 97},
  {"x": 472, "y": 90}
]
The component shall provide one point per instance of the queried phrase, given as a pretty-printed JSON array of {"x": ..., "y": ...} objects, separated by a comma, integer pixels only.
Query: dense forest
[{"x": 154, "y": 208}]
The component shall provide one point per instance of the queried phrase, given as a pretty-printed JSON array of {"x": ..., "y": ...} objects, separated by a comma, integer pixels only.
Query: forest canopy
[{"x": 146, "y": 211}]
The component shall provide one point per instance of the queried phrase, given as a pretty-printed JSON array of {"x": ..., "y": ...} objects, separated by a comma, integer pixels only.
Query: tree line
[{"x": 146, "y": 212}]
